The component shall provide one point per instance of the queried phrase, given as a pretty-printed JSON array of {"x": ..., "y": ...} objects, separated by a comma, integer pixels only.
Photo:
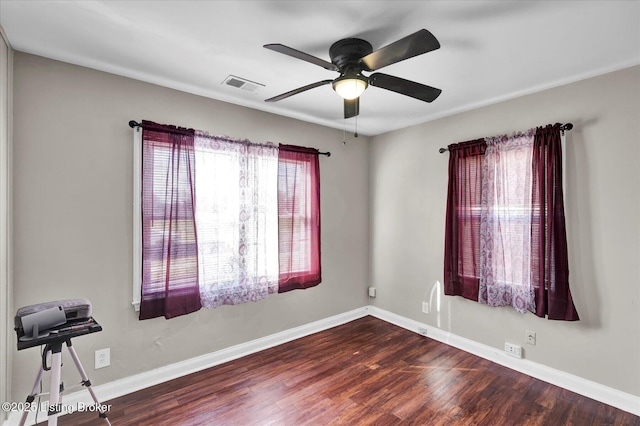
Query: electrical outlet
[
  {"x": 530, "y": 337},
  {"x": 372, "y": 292},
  {"x": 103, "y": 358},
  {"x": 513, "y": 350},
  {"x": 425, "y": 307}
]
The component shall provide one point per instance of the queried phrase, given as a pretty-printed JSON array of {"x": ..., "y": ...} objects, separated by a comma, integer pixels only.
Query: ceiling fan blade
[
  {"x": 298, "y": 90},
  {"x": 404, "y": 87},
  {"x": 280, "y": 48},
  {"x": 420, "y": 42},
  {"x": 351, "y": 107}
]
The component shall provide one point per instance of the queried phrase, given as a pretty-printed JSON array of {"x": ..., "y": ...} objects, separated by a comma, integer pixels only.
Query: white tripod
[{"x": 56, "y": 387}]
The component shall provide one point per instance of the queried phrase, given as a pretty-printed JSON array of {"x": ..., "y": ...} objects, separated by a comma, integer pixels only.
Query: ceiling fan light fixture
[{"x": 350, "y": 87}]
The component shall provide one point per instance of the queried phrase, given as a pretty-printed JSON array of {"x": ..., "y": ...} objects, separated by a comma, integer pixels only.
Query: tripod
[{"x": 56, "y": 387}]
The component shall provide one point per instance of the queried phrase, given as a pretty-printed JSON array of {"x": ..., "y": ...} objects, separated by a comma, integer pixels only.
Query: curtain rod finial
[{"x": 133, "y": 123}]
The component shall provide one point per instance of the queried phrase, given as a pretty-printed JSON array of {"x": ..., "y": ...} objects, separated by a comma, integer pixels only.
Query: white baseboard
[
  {"x": 115, "y": 389},
  {"x": 579, "y": 385}
]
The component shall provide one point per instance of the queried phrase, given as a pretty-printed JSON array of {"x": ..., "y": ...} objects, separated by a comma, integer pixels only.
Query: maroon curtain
[
  {"x": 298, "y": 218},
  {"x": 462, "y": 233},
  {"x": 170, "y": 255},
  {"x": 550, "y": 265}
]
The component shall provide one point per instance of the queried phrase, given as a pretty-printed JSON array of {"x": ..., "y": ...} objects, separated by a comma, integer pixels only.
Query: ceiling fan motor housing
[{"x": 346, "y": 54}]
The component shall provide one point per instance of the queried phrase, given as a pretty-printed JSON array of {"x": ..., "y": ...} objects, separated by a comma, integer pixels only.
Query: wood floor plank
[{"x": 366, "y": 372}]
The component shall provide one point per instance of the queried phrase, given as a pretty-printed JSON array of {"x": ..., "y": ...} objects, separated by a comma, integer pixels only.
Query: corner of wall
[{"x": 6, "y": 66}]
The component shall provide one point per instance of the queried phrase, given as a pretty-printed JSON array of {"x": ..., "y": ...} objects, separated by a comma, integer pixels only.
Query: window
[
  {"x": 505, "y": 238},
  {"x": 224, "y": 221},
  {"x": 293, "y": 218},
  {"x": 506, "y": 216},
  {"x": 236, "y": 219},
  {"x": 495, "y": 221},
  {"x": 158, "y": 222}
]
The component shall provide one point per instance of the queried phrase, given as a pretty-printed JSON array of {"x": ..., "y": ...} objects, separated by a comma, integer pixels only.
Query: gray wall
[
  {"x": 408, "y": 202},
  {"x": 73, "y": 220}
]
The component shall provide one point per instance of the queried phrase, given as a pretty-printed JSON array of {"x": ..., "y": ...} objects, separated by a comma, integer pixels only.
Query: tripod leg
[
  {"x": 32, "y": 397},
  {"x": 54, "y": 386},
  {"x": 101, "y": 408}
]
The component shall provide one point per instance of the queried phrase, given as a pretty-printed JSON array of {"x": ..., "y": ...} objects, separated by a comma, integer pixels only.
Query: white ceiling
[{"x": 491, "y": 50}]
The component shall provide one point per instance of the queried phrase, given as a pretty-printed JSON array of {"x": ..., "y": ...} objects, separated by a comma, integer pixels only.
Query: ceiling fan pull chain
[{"x": 356, "y": 132}]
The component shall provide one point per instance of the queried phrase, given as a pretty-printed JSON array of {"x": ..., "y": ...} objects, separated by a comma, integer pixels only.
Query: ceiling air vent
[{"x": 242, "y": 83}]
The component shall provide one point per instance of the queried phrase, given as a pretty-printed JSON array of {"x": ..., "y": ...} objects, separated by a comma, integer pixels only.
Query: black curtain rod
[
  {"x": 563, "y": 128},
  {"x": 133, "y": 123}
]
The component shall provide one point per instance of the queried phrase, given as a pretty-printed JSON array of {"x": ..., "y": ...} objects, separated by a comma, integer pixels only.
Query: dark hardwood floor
[{"x": 366, "y": 372}]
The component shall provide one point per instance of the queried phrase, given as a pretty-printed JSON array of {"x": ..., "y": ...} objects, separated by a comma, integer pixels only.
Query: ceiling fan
[{"x": 351, "y": 56}]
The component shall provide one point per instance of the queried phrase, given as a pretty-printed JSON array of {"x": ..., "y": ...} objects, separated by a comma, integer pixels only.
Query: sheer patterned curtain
[
  {"x": 169, "y": 239},
  {"x": 505, "y": 223},
  {"x": 298, "y": 218},
  {"x": 237, "y": 220}
]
